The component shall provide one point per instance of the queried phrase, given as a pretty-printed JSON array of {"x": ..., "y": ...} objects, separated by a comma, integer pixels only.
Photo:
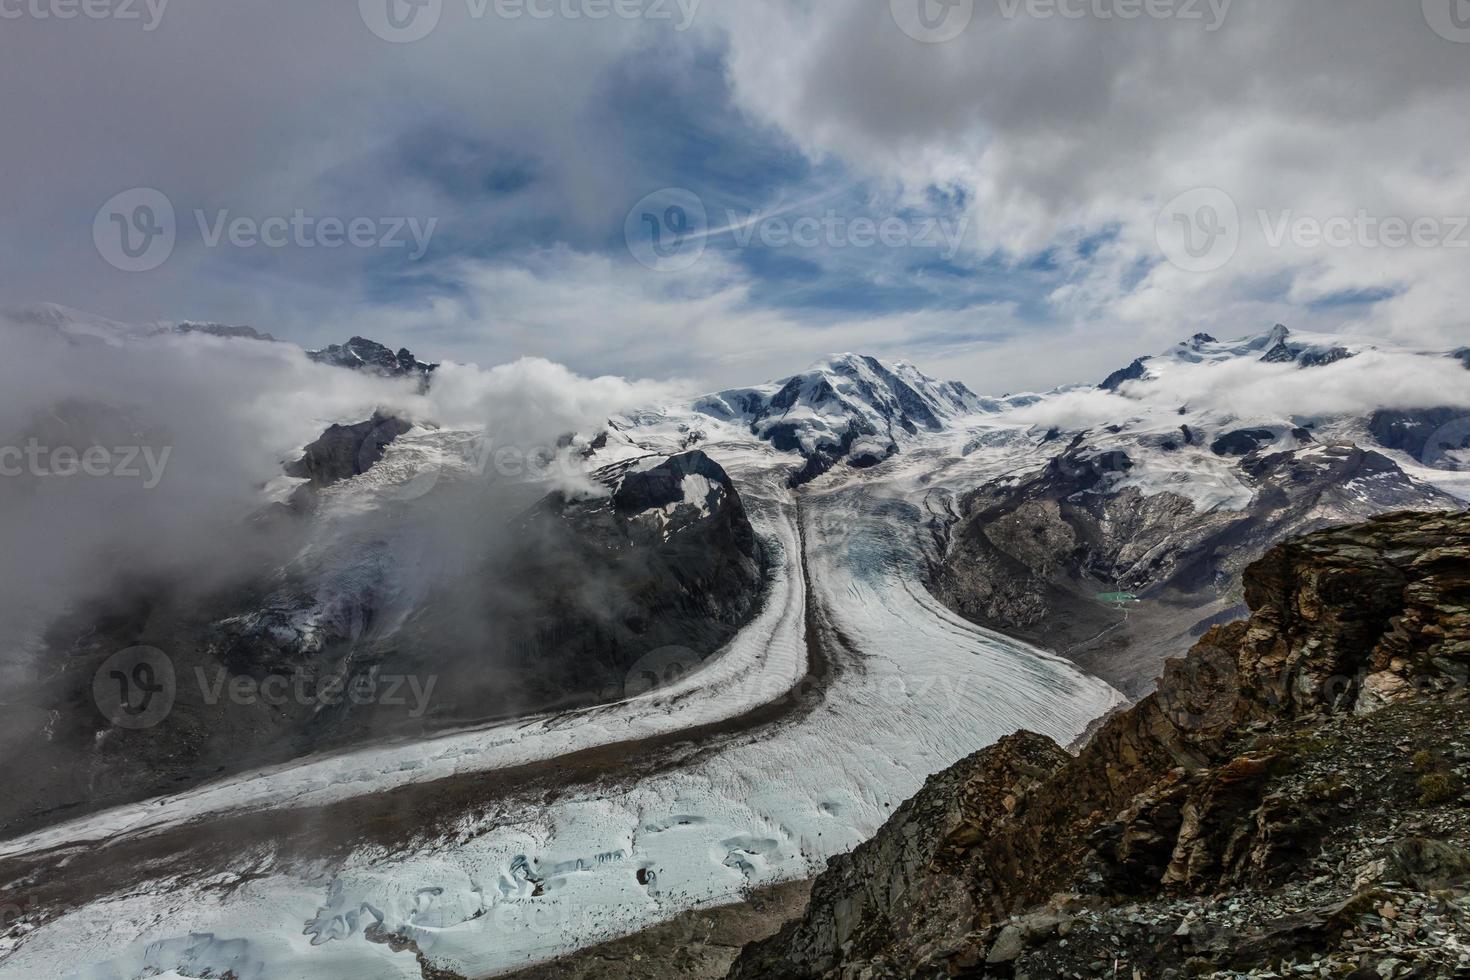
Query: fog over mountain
[
  {"x": 705, "y": 489},
  {"x": 1055, "y": 140},
  {"x": 216, "y": 418}
]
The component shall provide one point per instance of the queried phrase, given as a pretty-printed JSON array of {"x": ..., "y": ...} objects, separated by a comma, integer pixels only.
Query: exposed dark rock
[
  {"x": 1136, "y": 371},
  {"x": 668, "y": 564},
  {"x": 578, "y": 598},
  {"x": 360, "y": 354},
  {"x": 1242, "y": 442},
  {"x": 1463, "y": 356},
  {"x": 1412, "y": 430},
  {"x": 224, "y": 330},
  {"x": 1278, "y": 351},
  {"x": 1259, "y": 815},
  {"x": 596, "y": 445},
  {"x": 1030, "y": 557},
  {"x": 1321, "y": 358},
  {"x": 346, "y": 451},
  {"x": 851, "y": 409}
]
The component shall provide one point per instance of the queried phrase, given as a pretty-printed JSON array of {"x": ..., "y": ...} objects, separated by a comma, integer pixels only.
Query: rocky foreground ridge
[{"x": 1290, "y": 802}]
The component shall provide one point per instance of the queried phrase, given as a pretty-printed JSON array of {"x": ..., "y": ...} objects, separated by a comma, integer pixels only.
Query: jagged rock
[
  {"x": 1220, "y": 801},
  {"x": 850, "y": 408},
  {"x": 1136, "y": 371},
  {"x": 346, "y": 451},
  {"x": 360, "y": 354},
  {"x": 1242, "y": 442},
  {"x": 1410, "y": 431},
  {"x": 905, "y": 889},
  {"x": 1321, "y": 358},
  {"x": 579, "y": 598},
  {"x": 224, "y": 330},
  {"x": 1030, "y": 556},
  {"x": 1430, "y": 865}
]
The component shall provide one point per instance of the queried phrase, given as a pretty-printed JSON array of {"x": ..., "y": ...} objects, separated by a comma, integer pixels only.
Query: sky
[{"x": 1011, "y": 193}]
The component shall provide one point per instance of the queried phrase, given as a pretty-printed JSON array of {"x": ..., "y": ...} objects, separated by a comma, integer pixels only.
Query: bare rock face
[
  {"x": 345, "y": 451},
  {"x": 371, "y": 357},
  {"x": 1430, "y": 435},
  {"x": 583, "y": 599},
  {"x": 1292, "y": 794},
  {"x": 1031, "y": 557}
]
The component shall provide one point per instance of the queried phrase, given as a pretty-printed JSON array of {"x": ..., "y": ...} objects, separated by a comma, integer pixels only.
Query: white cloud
[
  {"x": 1320, "y": 107},
  {"x": 1248, "y": 389}
]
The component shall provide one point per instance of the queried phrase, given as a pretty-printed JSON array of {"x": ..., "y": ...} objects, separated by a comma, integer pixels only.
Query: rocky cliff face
[
  {"x": 1032, "y": 557},
  {"x": 850, "y": 408},
  {"x": 345, "y": 642},
  {"x": 360, "y": 354},
  {"x": 1289, "y": 802},
  {"x": 345, "y": 451},
  {"x": 602, "y": 596}
]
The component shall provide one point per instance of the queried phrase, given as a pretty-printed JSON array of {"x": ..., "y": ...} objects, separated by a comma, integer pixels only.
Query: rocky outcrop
[
  {"x": 1242, "y": 442},
  {"x": 1136, "y": 371},
  {"x": 850, "y": 408},
  {"x": 660, "y": 573},
  {"x": 1427, "y": 434},
  {"x": 1047, "y": 557},
  {"x": 334, "y": 641},
  {"x": 346, "y": 451},
  {"x": 1288, "y": 802},
  {"x": 360, "y": 354},
  {"x": 228, "y": 331}
]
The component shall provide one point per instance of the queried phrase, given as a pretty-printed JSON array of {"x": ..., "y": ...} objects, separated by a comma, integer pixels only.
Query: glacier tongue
[{"x": 910, "y": 689}]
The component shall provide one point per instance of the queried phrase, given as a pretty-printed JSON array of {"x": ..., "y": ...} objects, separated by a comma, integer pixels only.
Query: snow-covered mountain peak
[
  {"x": 80, "y": 327},
  {"x": 75, "y": 325},
  {"x": 1279, "y": 345},
  {"x": 851, "y": 407}
]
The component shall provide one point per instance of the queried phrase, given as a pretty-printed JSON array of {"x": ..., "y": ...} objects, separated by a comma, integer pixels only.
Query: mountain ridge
[{"x": 1288, "y": 802}]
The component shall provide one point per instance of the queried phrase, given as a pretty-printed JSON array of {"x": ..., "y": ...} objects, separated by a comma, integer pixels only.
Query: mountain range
[{"x": 854, "y": 563}]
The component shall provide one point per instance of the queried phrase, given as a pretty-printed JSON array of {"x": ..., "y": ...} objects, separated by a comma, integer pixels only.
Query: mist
[
  {"x": 195, "y": 428},
  {"x": 1244, "y": 389}
]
